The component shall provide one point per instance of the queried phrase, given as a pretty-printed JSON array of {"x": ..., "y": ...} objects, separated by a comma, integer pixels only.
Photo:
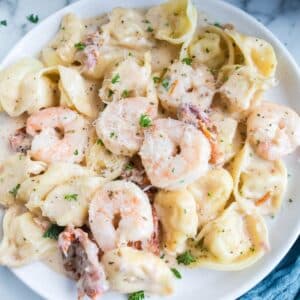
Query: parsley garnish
[
  {"x": 156, "y": 79},
  {"x": 115, "y": 79},
  {"x": 79, "y": 46},
  {"x": 129, "y": 167},
  {"x": 149, "y": 29},
  {"x": 187, "y": 61},
  {"x": 76, "y": 152},
  {"x": 176, "y": 273},
  {"x": 71, "y": 197},
  {"x": 53, "y": 231},
  {"x": 3, "y": 23},
  {"x": 165, "y": 83},
  {"x": 145, "y": 121},
  {"x": 100, "y": 142},
  {"x": 218, "y": 25},
  {"x": 136, "y": 296},
  {"x": 112, "y": 134},
  {"x": 33, "y": 18},
  {"x": 110, "y": 93},
  {"x": 125, "y": 94},
  {"x": 14, "y": 190},
  {"x": 186, "y": 258}
]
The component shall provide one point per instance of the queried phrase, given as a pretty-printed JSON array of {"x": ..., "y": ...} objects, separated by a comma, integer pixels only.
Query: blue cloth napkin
[{"x": 284, "y": 281}]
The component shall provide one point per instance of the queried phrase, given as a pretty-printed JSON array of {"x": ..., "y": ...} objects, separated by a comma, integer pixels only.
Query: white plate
[{"x": 284, "y": 229}]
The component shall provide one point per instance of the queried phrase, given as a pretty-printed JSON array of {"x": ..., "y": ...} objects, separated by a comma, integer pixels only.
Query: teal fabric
[{"x": 283, "y": 282}]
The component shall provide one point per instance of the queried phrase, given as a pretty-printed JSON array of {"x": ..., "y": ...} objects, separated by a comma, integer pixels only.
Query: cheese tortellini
[
  {"x": 233, "y": 241},
  {"x": 178, "y": 216},
  {"x": 211, "y": 193},
  {"x": 68, "y": 203},
  {"x": 105, "y": 163},
  {"x": 258, "y": 184},
  {"x": 61, "y": 50},
  {"x": 131, "y": 270},
  {"x": 12, "y": 83},
  {"x": 13, "y": 171},
  {"x": 23, "y": 240},
  {"x": 34, "y": 190},
  {"x": 174, "y": 21}
]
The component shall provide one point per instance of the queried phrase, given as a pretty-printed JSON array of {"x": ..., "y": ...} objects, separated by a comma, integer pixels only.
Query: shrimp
[
  {"x": 273, "y": 130},
  {"x": 59, "y": 135},
  {"x": 120, "y": 214},
  {"x": 185, "y": 84},
  {"x": 119, "y": 124},
  {"x": 80, "y": 256},
  {"x": 174, "y": 153}
]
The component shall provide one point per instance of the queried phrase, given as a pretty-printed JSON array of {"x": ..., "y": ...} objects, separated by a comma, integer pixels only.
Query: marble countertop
[{"x": 280, "y": 16}]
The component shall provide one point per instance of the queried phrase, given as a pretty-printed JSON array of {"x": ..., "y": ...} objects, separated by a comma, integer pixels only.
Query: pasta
[
  {"x": 131, "y": 270},
  {"x": 177, "y": 212},
  {"x": 258, "y": 183},
  {"x": 233, "y": 241},
  {"x": 137, "y": 135},
  {"x": 211, "y": 194},
  {"x": 23, "y": 240}
]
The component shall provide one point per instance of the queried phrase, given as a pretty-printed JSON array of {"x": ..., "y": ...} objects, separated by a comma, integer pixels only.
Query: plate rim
[{"x": 249, "y": 284}]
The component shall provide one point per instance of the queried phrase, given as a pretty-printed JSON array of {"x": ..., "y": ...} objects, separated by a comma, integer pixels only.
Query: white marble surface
[{"x": 282, "y": 17}]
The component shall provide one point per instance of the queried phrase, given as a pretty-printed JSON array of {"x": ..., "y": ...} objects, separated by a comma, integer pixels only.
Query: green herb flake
[
  {"x": 140, "y": 295},
  {"x": 116, "y": 79},
  {"x": 110, "y": 93},
  {"x": 129, "y": 167},
  {"x": 149, "y": 29},
  {"x": 156, "y": 79},
  {"x": 187, "y": 61},
  {"x": 113, "y": 134},
  {"x": 185, "y": 258},
  {"x": 165, "y": 83},
  {"x": 14, "y": 190},
  {"x": 100, "y": 142},
  {"x": 71, "y": 197},
  {"x": 53, "y": 232},
  {"x": 146, "y": 21},
  {"x": 145, "y": 121},
  {"x": 209, "y": 194},
  {"x": 76, "y": 152},
  {"x": 176, "y": 273},
  {"x": 125, "y": 94},
  {"x": 33, "y": 18},
  {"x": 3, "y": 23},
  {"x": 80, "y": 46},
  {"x": 218, "y": 25}
]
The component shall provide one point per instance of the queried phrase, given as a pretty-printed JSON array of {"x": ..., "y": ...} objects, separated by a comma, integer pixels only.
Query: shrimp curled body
[
  {"x": 174, "y": 153},
  {"x": 273, "y": 130},
  {"x": 120, "y": 214},
  {"x": 59, "y": 135}
]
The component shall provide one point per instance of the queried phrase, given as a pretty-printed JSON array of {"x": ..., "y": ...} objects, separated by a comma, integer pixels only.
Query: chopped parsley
[
  {"x": 33, "y": 18},
  {"x": 136, "y": 296},
  {"x": 53, "y": 231},
  {"x": 149, "y": 29},
  {"x": 218, "y": 25},
  {"x": 156, "y": 79},
  {"x": 3, "y": 23},
  {"x": 187, "y": 61},
  {"x": 115, "y": 79},
  {"x": 185, "y": 258},
  {"x": 146, "y": 21},
  {"x": 113, "y": 134},
  {"x": 76, "y": 152},
  {"x": 71, "y": 197},
  {"x": 14, "y": 190},
  {"x": 207, "y": 50},
  {"x": 145, "y": 121},
  {"x": 125, "y": 94},
  {"x": 79, "y": 46},
  {"x": 100, "y": 142},
  {"x": 129, "y": 167},
  {"x": 165, "y": 83},
  {"x": 110, "y": 93},
  {"x": 176, "y": 273}
]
